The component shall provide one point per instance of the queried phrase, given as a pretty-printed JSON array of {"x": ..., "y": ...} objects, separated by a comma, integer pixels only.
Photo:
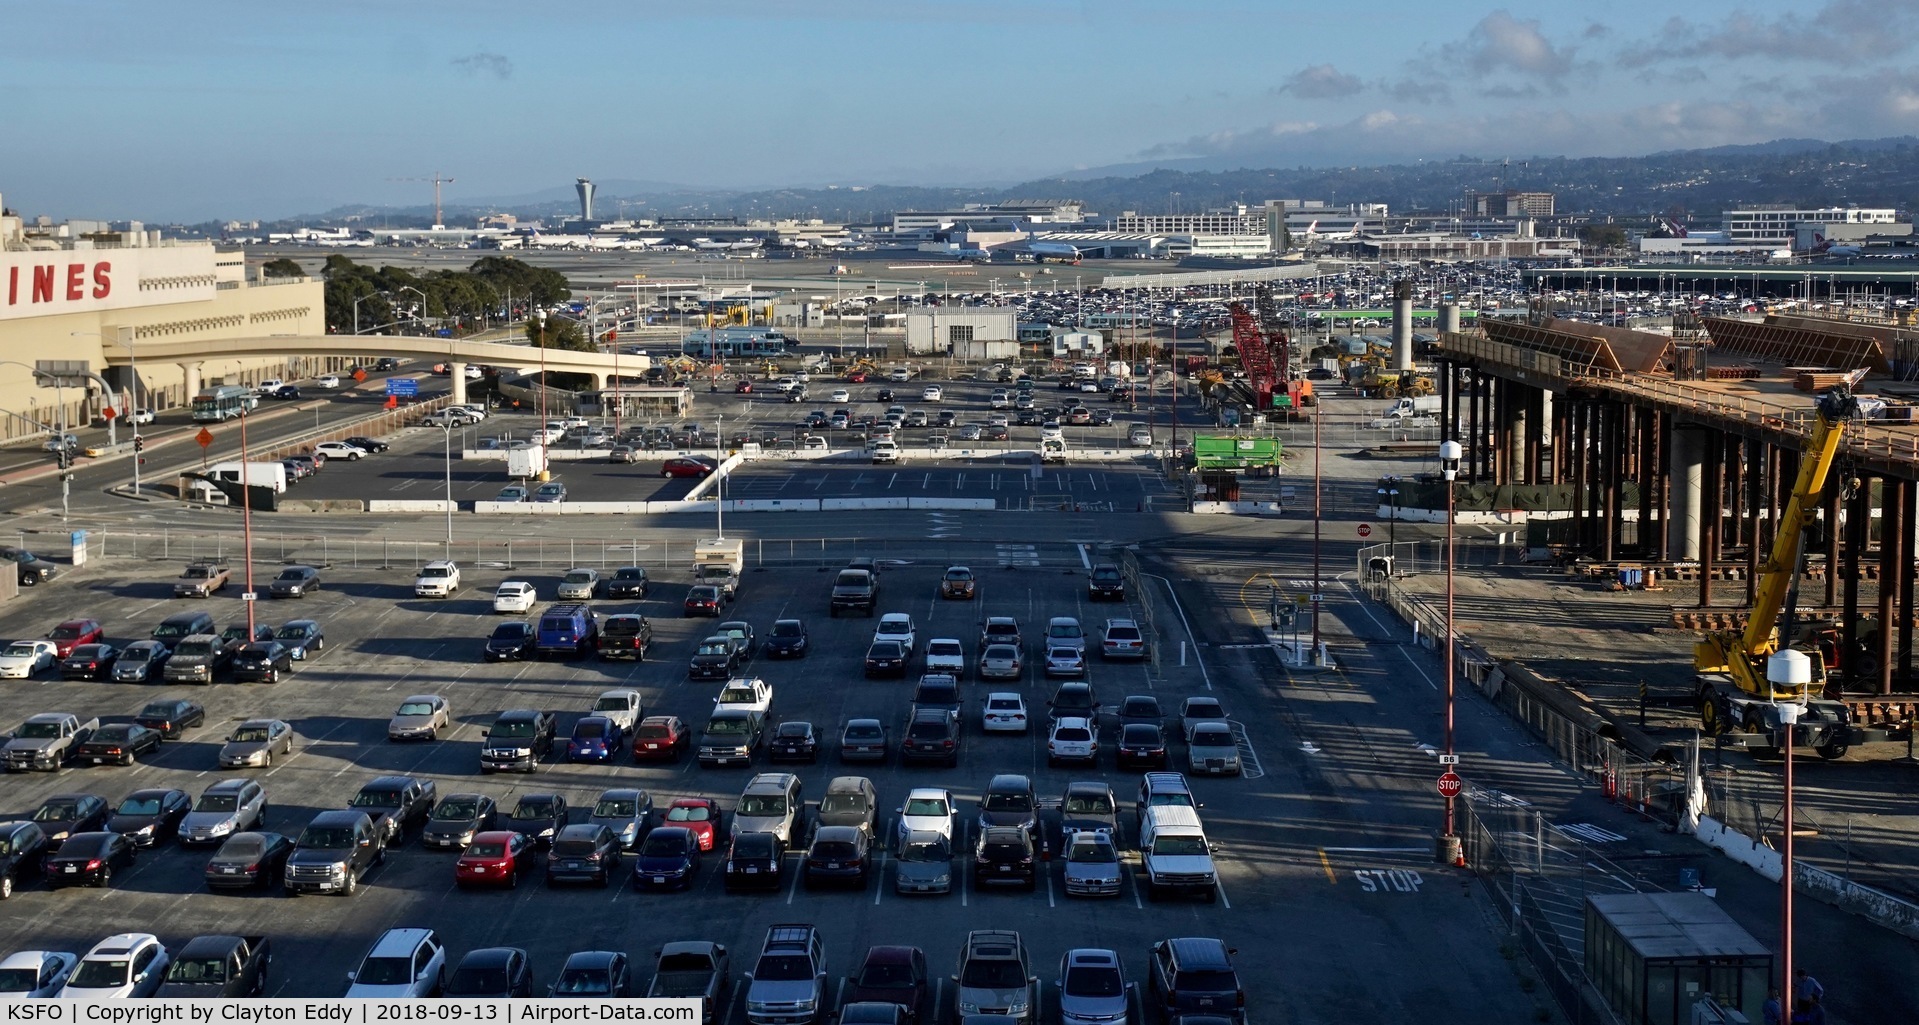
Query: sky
[{"x": 166, "y": 110}]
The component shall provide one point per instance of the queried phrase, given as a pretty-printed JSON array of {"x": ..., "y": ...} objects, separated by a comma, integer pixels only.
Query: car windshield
[
  {"x": 663, "y": 845},
  {"x": 1179, "y": 845},
  {"x": 65, "y": 633},
  {"x": 457, "y": 809},
  {"x": 329, "y": 838},
  {"x": 20, "y": 648},
  {"x": 1071, "y": 735},
  {"x": 655, "y": 732},
  {"x": 583, "y": 982},
  {"x": 138, "y": 805},
  {"x": 100, "y": 974},
  {"x": 385, "y": 971},
  {"x": 925, "y": 806},
  {"x": 715, "y": 647},
  {"x": 1002, "y": 653},
  {"x": 589, "y": 730},
  {"x": 138, "y": 655},
  {"x": 579, "y": 576},
  {"x": 57, "y": 811},
  {"x": 416, "y": 708},
  {"x": 995, "y": 973},
  {"x": 573, "y": 848},
  {"x": 884, "y": 649},
  {"x": 377, "y": 799},
  {"x": 515, "y": 730},
  {"x": 1139, "y": 733},
  {"x": 19, "y": 980},
  {"x": 1172, "y": 799},
  {"x": 217, "y": 802},
  {"x": 1205, "y": 981},
  {"x": 688, "y": 813},
  {"x": 487, "y": 849},
  {"x": 1007, "y": 802},
  {"x": 762, "y": 804},
  {"x": 927, "y": 729},
  {"x": 615, "y": 808},
  {"x": 858, "y": 732},
  {"x": 197, "y": 649},
  {"x": 1088, "y": 804},
  {"x": 887, "y": 976},
  {"x": 533, "y": 808},
  {"x": 1003, "y": 704},
  {"x": 1092, "y": 853},
  {"x": 1212, "y": 738},
  {"x": 478, "y": 980},
  {"x": 959, "y": 574},
  {"x": 291, "y": 632},
  {"x": 926, "y": 851},
  {"x": 783, "y": 968},
  {"x": 1087, "y": 981},
  {"x": 727, "y": 727},
  {"x": 1063, "y": 631},
  {"x": 293, "y": 574},
  {"x": 842, "y": 802},
  {"x": 511, "y": 632},
  {"x": 1122, "y": 633}
]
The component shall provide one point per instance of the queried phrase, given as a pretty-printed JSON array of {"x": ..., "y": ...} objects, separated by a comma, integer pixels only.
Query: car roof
[
  {"x": 1009, "y": 781},
  {"x": 1092, "y": 956},
  {"x": 580, "y": 831},
  {"x": 592, "y": 959},
  {"x": 1200, "y": 951},
  {"x": 421, "y": 697},
  {"x": 491, "y": 957},
  {"x": 891, "y": 954},
  {"x": 838, "y": 834}
]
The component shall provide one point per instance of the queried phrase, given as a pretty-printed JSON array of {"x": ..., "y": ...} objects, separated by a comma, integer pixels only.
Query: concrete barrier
[
  {"x": 323, "y": 505},
  {"x": 1238, "y": 508},
  {"x": 837, "y": 504},
  {"x": 1873, "y": 905},
  {"x": 408, "y": 505},
  {"x": 771, "y": 505},
  {"x": 973, "y": 504}
]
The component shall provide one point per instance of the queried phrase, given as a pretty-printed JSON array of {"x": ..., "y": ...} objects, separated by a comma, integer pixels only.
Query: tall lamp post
[
  {"x": 1450, "y": 453},
  {"x": 1389, "y": 490},
  {"x": 448, "y": 428}
]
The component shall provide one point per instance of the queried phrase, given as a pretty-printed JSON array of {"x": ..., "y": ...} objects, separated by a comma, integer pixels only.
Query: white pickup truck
[
  {"x": 624, "y": 707},
  {"x": 946, "y": 655},
  {"x": 748, "y": 693}
]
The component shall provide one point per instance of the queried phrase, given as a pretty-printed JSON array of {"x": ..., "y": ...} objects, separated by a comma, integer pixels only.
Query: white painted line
[
  {"x": 1417, "y": 669},
  {"x": 1085, "y": 561},
  {"x": 1220, "y": 888},
  {"x": 1181, "y": 609},
  {"x": 880, "y": 873}
]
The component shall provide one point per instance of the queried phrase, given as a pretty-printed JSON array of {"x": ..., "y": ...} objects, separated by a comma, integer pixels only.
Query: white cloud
[
  {"x": 1503, "y": 43},
  {"x": 495, "y": 64},
  {"x": 1841, "y": 32},
  {"x": 1322, "y": 82}
]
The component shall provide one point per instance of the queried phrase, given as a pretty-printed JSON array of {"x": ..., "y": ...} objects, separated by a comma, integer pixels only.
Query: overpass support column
[
  {"x": 1908, "y": 512},
  {"x": 1713, "y": 503},
  {"x": 457, "y": 371},
  {"x": 1687, "y": 481},
  {"x": 1892, "y": 502},
  {"x": 1645, "y": 426},
  {"x": 1858, "y": 536},
  {"x": 1835, "y": 487},
  {"x": 1616, "y": 463},
  {"x": 190, "y": 373}
]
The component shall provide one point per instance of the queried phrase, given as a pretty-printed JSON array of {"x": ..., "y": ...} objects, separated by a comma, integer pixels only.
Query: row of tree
[{"x": 495, "y": 289}]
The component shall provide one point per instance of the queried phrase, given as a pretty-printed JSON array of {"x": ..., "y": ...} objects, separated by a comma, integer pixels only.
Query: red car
[
  {"x": 743, "y": 388},
  {"x": 494, "y": 858},
  {"x": 699, "y": 815},
  {"x": 659, "y": 738},
  {"x": 75, "y": 632},
  {"x": 856, "y": 377},
  {"x": 687, "y": 466}
]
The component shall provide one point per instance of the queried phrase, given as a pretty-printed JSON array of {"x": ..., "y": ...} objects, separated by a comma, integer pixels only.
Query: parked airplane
[{"x": 1823, "y": 246}]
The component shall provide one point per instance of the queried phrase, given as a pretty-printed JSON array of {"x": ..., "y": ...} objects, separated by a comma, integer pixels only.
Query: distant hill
[{"x": 1702, "y": 182}]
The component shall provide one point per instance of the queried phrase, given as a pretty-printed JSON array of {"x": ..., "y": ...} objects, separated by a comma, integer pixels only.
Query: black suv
[
  {"x": 517, "y": 741},
  {"x": 932, "y": 735},
  {"x": 1195, "y": 975},
  {"x": 627, "y": 635},
  {"x": 1004, "y": 854},
  {"x": 396, "y": 803},
  {"x": 1105, "y": 583}
]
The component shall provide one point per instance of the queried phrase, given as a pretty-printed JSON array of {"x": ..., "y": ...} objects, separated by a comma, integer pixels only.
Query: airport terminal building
[{"x": 85, "y": 295}]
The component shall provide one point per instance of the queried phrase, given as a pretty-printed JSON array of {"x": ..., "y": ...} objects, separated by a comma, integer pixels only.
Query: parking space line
[
  {"x": 792, "y": 888},
  {"x": 880, "y": 890},
  {"x": 1051, "y": 900},
  {"x": 1220, "y": 888}
]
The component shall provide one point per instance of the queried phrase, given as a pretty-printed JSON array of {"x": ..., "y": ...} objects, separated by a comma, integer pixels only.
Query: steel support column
[
  {"x": 1615, "y": 470},
  {"x": 1908, "y": 512},
  {"x": 1713, "y": 492},
  {"x": 1834, "y": 488},
  {"x": 1892, "y": 502}
]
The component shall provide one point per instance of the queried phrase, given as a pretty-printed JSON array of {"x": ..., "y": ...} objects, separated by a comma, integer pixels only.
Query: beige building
[{"x": 93, "y": 297}]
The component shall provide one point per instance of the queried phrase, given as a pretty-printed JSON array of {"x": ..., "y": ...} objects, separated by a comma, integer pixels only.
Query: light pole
[
  {"x": 719, "y": 486},
  {"x": 448, "y": 428},
  {"x": 1389, "y": 490},
  {"x": 1450, "y": 453},
  {"x": 421, "y": 317}
]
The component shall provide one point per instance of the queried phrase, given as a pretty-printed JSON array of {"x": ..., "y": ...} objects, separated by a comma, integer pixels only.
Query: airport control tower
[{"x": 585, "y": 188}]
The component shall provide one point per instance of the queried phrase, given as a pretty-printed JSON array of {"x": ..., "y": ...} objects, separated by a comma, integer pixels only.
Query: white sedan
[
  {"x": 327, "y": 381},
  {"x": 1005, "y": 712},
  {"x": 930, "y": 810},
  {"x": 515, "y": 596},
  {"x": 933, "y": 393},
  {"x": 840, "y": 395},
  {"x": 339, "y": 450},
  {"x": 142, "y": 416},
  {"x": 22, "y": 659}
]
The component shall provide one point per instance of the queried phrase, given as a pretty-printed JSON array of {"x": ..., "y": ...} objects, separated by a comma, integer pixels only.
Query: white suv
[
  {"x": 402, "y": 963},
  {"x": 437, "y": 580}
]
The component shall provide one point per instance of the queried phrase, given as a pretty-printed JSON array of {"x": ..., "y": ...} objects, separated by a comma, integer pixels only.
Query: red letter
[
  {"x": 43, "y": 284},
  {"x": 102, "y": 282},
  {"x": 76, "y": 282}
]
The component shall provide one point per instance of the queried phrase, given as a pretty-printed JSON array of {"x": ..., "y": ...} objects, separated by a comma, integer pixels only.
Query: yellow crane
[{"x": 1737, "y": 689}]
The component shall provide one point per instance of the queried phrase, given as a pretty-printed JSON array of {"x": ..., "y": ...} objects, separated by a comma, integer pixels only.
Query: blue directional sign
[{"x": 404, "y": 387}]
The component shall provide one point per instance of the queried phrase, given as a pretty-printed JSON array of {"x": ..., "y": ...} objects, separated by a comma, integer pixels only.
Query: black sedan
[
  {"x": 23, "y": 845},
  {"x": 885, "y": 658},
  {"x": 583, "y": 853},
  {"x": 262, "y": 662},
  {"x": 89, "y": 662},
  {"x": 539, "y": 816},
  {"x": 491, "y": 972},
  {"x": 511, "y": 640},
  {"x": 756, "y": 861},
  {"x": 88, "y": 859},
  {"x": 295, "y": 582},
  {"x": 172, "y": 716},
  {"x": 1142, "y": 746},
  {"x": 669, "y": 859},
  {"x": 64, "y": 815},
  {"x": 150, "y": 817},
  {"x": 367, "y": 443},
  {"x": 794, "y": 740},
  {"x": 787, "y": 639},
  {"x": 119, "y": 743},
  {"x": 248, "y": 861}
]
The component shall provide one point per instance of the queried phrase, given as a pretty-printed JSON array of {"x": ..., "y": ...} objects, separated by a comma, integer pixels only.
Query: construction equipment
[
  {"x": 1745, "y": 677},
  {"x": 1255, "y": 357}
]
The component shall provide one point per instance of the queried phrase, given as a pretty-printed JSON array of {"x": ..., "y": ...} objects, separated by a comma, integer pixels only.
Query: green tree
[
  {"x": 1604, "y": 236},
  {"x": 281, "y": 268},
  {"x": 337, "y": 265},
  {"x": 558, "y": 333}
]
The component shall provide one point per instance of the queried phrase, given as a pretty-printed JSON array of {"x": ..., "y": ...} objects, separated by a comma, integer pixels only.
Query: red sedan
[
  {"x": 699, "y": 815},
  {"x": 494, "y": 858},
  {"x": 687, "y": 466},
  {"x": 659, "y": 738},
  {"x": 856, "y": 377},
  {"x": 75, "y": 632}
]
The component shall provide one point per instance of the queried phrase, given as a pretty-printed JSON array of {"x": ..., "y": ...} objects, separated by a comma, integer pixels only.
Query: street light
[
  {"x": 448, "y": 428},
  {"x": 1450, "y": 453},
  {"x": 1389, "y": 490},
  {"x": 421, "y": 317}
]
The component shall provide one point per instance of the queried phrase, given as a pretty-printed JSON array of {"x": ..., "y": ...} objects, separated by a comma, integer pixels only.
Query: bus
[
  {"x": 223, "y": 403},
  {"x": 728, "y": 342}
]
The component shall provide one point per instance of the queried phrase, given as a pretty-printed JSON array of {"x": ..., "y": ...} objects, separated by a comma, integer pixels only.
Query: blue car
[
  {"x": 669, "y": 859},
  {"x": 303, "y": 637},
  {"x": 596, "y": 738}
]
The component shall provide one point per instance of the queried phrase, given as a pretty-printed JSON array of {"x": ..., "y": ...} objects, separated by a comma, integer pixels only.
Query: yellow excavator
[{"x": 1744, "y": 675}]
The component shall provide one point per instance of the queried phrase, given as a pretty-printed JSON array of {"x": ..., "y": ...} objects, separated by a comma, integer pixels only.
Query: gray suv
[
  {"x": 995, "y": 977},
  {"x": 334, "y": 851}
]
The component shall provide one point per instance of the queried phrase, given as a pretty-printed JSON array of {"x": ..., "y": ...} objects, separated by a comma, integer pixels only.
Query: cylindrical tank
[
  {"x": 1402, "y": 325},
  {"x": 1448, "y": 317}
]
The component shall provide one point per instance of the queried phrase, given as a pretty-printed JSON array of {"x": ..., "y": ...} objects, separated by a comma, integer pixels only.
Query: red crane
[{"x": 1255, "y": 357}]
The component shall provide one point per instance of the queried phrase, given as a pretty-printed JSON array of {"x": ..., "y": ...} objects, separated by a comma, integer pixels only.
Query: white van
[{"x": 886, "y": 450}]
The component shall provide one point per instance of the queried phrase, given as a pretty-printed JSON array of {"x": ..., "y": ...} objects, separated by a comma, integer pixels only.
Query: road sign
[
  {"x": 1450, "y": 784},
  {"x": 1365, "y": 530},
  {"x": 405, "y": 387},
  {"x": 1316, "y": 598},
  {"x": 1449, "y": 759},
  {"x": 250, "y": 596},
  {"x": 205, "y": 437},
  {"x": 359, "y": 375},
  {"x": 108, "y": 413}
]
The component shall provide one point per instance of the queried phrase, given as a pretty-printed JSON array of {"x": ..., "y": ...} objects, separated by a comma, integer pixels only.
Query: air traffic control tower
[{"x": 585, "y": 188}]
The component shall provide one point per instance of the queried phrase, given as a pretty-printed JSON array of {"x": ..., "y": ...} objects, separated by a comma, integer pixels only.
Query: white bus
[{"x": 223, "y": 403}]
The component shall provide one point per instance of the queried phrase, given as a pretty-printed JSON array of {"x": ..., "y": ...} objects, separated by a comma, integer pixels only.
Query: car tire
[
  {"x": 126, "y": 759},
  {"x": 105, "y": 878},
  {"x": 352, "y": 885},
  {"x": 6, "y": 885}
]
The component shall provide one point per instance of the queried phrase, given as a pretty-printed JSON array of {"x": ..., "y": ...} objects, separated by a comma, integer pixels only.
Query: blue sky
[{"x": 176, "y": 110}]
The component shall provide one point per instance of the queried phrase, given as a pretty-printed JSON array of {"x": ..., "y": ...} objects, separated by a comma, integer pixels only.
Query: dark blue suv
[{"x": 570, "y": 630}]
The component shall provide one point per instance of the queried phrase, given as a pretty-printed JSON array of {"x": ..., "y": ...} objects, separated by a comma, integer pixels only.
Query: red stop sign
[
  {"x": 1365, "y": 530},
  {"x": 1450, "y": 784}
]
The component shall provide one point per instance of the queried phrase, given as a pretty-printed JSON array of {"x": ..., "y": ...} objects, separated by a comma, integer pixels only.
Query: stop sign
[
  {"x": 1449, "y": 784},
  {"x": 1365, "y": 530}
]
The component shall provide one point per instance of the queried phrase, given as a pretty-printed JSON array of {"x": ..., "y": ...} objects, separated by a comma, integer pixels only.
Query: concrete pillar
[
  {"x": 1402, "y": 325},
  {"x": 457, "y": 371},
  {"x": 1475, "y": 433},
  {"x": 1518, "y": 397},
  {"x": 1892, "y": 503},
  {"x": 1712, "y": 491},
  {"x": 1834, "y": 488},
  {"x": 1687, "y": 479},
  {"x": 1448, "y": 317},
  {"x": 1646, "y": 474},
  {"x": 191, "y": 371},
  {"x": 1756, "y": 464},
  {"x": 1908, "y": 512}
]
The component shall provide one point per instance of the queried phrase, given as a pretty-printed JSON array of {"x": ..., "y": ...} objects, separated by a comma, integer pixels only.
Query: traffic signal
[
  {"x": 66, "y": 459},
  {"x": 139, "y": 443}
]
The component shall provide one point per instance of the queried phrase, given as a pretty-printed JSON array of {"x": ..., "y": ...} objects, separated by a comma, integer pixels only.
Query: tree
[
  {"x": 544, "y": 285},
  {"x": 337, "y": 265},
  {"x": 1603, "y": 236},
  {"x": 558, "y": 333},
  {"x": 281, "y": 268}
]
